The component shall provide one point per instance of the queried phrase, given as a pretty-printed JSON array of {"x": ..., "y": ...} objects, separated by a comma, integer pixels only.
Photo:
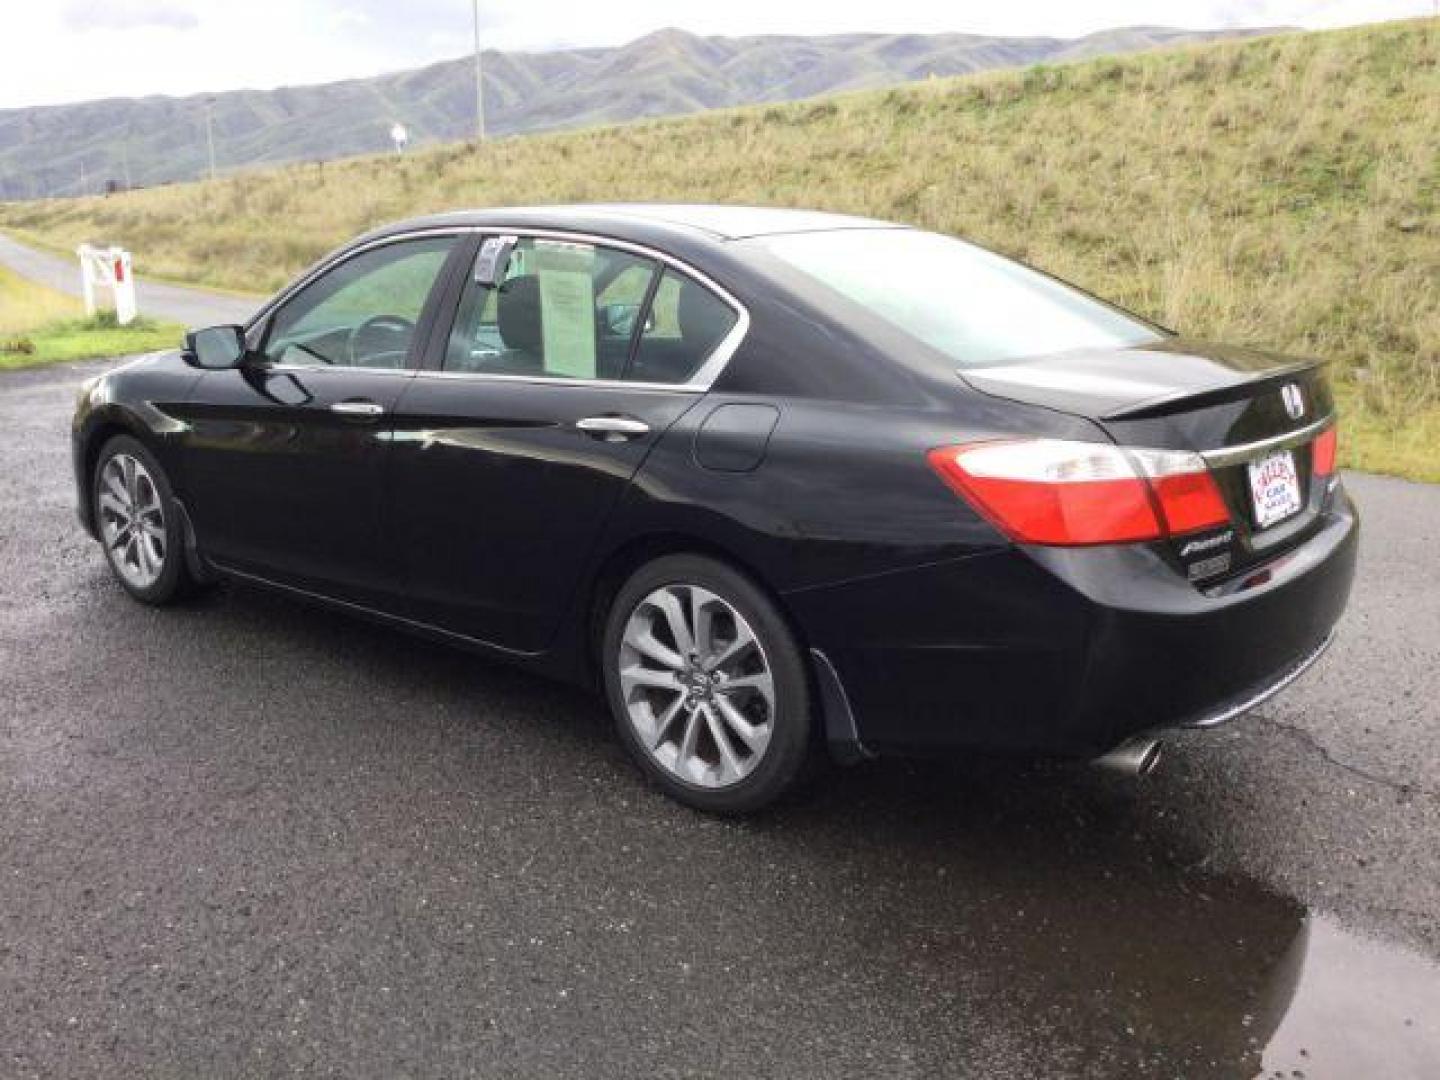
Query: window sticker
[{"x": 567, "y": 307}]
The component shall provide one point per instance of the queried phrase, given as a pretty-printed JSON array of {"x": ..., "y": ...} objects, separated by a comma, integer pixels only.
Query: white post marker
[
  {"x": 108, "y": 268},
  {"x": 87, "y": 282}
]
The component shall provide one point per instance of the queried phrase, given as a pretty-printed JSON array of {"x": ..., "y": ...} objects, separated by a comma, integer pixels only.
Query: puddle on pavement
[
  {"x": 1352, "y": 1007},
  {"x": 1243, "y": 984},
  {"x": 1066, "y": 937}
]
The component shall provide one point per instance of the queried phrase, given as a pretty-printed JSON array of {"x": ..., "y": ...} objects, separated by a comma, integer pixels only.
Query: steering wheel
[{"x": 380, "y": 326}]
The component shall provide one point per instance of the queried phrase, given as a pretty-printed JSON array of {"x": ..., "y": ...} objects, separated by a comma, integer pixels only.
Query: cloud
[
  {"x": 349, "y": 17},
  {"x": 82, "y": 15}
]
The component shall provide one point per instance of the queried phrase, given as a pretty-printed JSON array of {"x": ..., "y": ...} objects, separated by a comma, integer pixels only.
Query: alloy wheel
[
  {"x": 132, "y": 520},
  {"x": 697, "y": 686}
]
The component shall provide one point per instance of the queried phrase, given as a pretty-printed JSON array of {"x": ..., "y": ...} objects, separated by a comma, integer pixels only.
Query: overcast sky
[{"x": 69, "y": 50}]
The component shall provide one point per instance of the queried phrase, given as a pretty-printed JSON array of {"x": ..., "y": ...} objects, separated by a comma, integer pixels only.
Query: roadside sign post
[{"x": 108, "y": 268}]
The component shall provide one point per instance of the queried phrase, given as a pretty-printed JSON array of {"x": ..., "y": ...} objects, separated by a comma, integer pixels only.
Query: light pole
[
  {"x": 210, "y": 132},
  {"x": 479, "y": 77}
]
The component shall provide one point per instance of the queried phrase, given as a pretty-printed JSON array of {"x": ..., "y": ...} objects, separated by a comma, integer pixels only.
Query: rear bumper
[
  {"x": 1255, "y": 696},
  {"x": 1071, "y": 651}
]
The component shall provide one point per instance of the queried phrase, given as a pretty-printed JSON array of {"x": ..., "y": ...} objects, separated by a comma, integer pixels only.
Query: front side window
[
  {"x": 973, "y": 306},
  {"x": 363, "y": 312},
  {"x": 585, "y": 311}
]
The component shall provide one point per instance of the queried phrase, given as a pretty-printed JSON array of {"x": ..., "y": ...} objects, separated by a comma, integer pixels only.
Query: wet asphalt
[{"x": 245, "y": 837}]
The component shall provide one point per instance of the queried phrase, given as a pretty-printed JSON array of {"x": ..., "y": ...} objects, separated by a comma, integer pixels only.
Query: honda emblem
[{"x": 1294, "y": 401}]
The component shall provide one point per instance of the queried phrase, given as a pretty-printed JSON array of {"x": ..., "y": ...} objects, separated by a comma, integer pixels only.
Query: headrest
[
  {"x": 518, "y": 314},
  {"x": 704, "y": 319}
]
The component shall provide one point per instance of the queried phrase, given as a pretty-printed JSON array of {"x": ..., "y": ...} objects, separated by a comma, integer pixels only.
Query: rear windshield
[{"x": 972, "y": 305}]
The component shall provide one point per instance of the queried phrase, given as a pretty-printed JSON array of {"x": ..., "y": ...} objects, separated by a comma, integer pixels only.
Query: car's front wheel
[
  {"x": 138, "y": 522},
  {"x": 707, "y": 684}
]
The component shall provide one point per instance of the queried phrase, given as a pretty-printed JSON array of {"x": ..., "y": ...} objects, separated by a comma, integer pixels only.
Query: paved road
[
  {"x": 192, "y": 307},
  {"x": 245, "y": 837}
]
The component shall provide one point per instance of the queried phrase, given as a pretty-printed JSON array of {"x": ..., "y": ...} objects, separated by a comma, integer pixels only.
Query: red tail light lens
[
  {"x": 1189, "y": 500},
  {"x": 1051, "y": 491},
  {"x": 1322, "y": 453}
]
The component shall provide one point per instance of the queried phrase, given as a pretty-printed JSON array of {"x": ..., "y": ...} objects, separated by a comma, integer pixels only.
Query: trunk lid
[{"x": 1237, "y": 407}]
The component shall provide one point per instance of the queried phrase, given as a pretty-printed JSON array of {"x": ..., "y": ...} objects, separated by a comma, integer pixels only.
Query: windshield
[{"x": 972, "y": 305}]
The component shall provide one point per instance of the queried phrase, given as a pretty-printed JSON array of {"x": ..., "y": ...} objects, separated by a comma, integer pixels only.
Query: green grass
[
  {"x": 1410, "y": 448},
  {"x": 1280, "y": 192},
  {"x": 42, "y": 326}
]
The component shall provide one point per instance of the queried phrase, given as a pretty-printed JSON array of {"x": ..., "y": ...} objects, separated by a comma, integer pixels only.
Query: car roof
[{"x": 642, "y": 221}]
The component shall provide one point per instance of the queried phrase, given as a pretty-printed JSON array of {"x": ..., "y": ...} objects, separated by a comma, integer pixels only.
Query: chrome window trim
[
  {"x": 310, "y": 369},
  {"x": 698, "y": 383},
  {"x": 559, "y": 380},
  {"x": 1236, "y": 455}
]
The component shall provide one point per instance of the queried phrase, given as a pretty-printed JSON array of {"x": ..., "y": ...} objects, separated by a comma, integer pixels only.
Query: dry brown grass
[
  {"x": 1281, "y": 191},
  {"x": 25, "y": 305}
]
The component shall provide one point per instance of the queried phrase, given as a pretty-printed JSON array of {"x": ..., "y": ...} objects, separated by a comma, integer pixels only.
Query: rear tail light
[
  {"x": 1184, "y": 489},
  {"x": 1322, "y": 454},
  {"x": 1050, "y": 491}
]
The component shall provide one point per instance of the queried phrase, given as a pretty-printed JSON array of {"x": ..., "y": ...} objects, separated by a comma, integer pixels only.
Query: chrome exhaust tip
[{"x": 1133, "y": 757}]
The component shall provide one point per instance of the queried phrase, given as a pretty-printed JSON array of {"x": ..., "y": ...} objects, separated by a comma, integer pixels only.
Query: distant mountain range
[{"x": 70, "y": 149}]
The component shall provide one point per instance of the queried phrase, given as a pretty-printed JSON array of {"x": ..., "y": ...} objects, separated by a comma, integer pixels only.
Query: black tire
[
  {"x": 174, "y": 579},
  {"x": 790, "y": 747}
]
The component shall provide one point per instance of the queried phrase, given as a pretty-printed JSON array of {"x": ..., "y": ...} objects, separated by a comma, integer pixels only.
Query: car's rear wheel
[
  {"x": 707, "y": 684},
  {"x": 138, "y": 522}
]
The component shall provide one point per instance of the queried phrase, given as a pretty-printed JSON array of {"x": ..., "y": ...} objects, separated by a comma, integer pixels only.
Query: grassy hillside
[
  {"x": 75, "y": 149},
  {"x": 1281, "y": 191}
]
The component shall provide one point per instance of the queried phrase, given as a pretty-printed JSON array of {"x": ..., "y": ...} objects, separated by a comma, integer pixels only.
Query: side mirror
[{"x": 216, "y": 348}]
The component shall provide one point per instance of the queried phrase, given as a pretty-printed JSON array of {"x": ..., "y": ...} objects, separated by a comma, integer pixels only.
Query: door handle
[
  {"x": 613, "y": 428},
  {"x": 358, "y": 410}
]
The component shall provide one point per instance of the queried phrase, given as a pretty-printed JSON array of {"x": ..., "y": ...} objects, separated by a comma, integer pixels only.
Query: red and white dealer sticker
[{"x": 1275, "y": 487}]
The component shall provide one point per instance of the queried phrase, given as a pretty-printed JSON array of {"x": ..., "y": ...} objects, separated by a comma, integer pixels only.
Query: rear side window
[
  {"x": 584, "y": 311},
  {"x": 685, "y": 325},
  {"x": 563, "y": 310}
]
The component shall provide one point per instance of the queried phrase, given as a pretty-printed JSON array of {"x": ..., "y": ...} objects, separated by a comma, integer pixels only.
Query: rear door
[
  {"x": 285, "y": 458},
  {"x": 534, "y": 411}
]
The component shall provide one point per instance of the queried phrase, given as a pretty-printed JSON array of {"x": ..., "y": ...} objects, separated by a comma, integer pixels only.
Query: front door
[
  {"x": 286, "y": 456},
  {"x": 512, "y": 449}
]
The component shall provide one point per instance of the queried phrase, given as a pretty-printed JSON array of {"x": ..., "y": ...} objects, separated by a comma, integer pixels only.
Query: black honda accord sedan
[{"x": 776, "y": 482}]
